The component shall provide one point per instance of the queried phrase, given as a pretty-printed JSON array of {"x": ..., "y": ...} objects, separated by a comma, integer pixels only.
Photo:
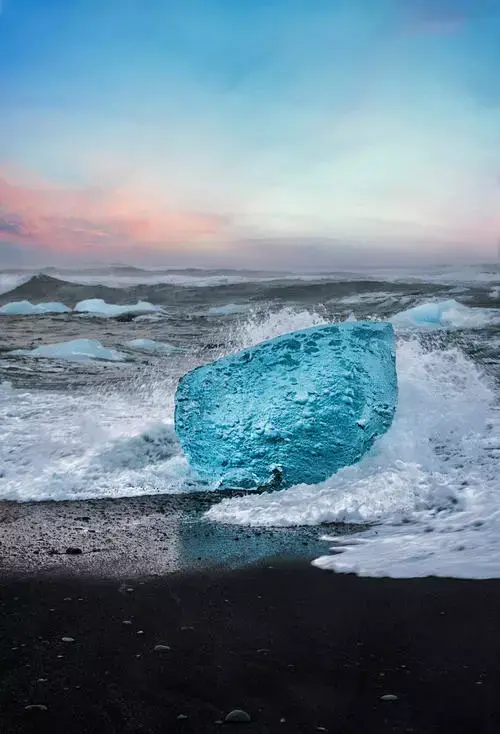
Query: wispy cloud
[{"x": 66, "y": 221}]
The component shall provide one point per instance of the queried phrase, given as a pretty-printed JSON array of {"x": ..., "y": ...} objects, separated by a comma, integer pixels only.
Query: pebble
[
  {"x": 237, "y": 716},
  {"x": 389, "y": 697},
  {"x": 68, "y": 639},
  {"x": 181, "y": 717},
  {"x": 162, "y": 648}
]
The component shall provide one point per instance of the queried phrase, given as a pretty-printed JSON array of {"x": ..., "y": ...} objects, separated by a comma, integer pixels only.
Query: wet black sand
[
  {"x": 139, "y": 537},
  {"x": 299, "y": 649}
]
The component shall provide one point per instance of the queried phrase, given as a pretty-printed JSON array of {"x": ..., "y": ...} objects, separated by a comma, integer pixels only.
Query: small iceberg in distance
[
  {"x": 291, "y": 410},
  {"x": 152, "y": 347},
  {"x": 450, "y": 313},
  {"x": 76, "y": 350},
  {"x": 26, "y": 308},
  {"x": 98, "y": 307}
]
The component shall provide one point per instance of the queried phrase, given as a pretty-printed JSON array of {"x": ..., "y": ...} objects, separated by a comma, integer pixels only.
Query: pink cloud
[{"x": 67, "y": 220}]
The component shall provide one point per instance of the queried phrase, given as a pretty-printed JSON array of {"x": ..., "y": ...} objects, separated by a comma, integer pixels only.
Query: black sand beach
[{"x": 299, "y": 649}]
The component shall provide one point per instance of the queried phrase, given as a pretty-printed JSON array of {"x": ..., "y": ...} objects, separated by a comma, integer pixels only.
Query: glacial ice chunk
[
  {"x": 76, "y": 350},
  {"x": 99, "y": 307},
  {"x": 448, "y": 314},
  {"x": 26, "y": 308},
  {"x": 291, "y": 410}
]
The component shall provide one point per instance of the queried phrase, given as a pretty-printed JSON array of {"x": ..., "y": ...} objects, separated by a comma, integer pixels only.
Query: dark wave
[{"x": 43, "y": 287}]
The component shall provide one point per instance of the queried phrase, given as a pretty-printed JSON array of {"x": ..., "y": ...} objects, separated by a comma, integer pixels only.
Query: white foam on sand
[
  {"x": 76, "y": 350},
  {"x": 26, "y": 308},
  {"x": 98, "y": 307}
]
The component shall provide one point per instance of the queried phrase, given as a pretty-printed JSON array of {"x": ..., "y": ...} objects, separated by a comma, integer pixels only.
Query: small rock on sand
[{"x": 237, "y": 716}]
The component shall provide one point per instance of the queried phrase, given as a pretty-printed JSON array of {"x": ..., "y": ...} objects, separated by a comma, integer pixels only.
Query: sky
[{"x": 249, "y": 133}]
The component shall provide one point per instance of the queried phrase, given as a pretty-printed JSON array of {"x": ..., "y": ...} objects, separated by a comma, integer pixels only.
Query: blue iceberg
[
  {"x": 439, "y": 313},
  {"x": 292, "y": 410}
]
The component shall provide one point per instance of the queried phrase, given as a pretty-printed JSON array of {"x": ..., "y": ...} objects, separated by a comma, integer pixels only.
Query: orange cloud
[{"x": 67, "y": 220}]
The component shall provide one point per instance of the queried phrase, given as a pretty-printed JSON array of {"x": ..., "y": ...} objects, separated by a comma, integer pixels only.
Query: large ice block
[{"x": 291, "y": 410}]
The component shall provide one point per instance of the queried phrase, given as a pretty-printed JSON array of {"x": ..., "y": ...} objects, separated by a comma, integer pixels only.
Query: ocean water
[{"x": 75, "y": 423}]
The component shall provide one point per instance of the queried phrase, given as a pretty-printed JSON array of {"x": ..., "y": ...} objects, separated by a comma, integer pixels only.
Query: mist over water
[{"x": 428, "y": 490}]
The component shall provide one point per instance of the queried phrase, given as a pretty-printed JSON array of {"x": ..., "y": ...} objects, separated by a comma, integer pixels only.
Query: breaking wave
[
  {"x": 429, "y": 487},
  {"x": 428, "y": 490}
]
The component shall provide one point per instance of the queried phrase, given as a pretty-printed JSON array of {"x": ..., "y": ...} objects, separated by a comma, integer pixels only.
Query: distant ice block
[
  {"x": 291, "y": 410},
  {"x": 26, "y": 308},
  {"x": 76, "y": 350},
  {"x": 99, "y": 307},
  {"x": 450, "y": 314}
]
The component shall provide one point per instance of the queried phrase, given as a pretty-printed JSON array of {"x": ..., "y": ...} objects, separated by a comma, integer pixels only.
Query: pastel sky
[{"x": 254, "y": 133}]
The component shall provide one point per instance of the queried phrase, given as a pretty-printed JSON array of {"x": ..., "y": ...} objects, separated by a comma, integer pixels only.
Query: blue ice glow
[{"x": 305, "y": 404}]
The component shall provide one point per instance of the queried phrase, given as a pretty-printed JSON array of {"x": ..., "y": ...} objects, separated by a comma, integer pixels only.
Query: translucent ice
[
  {"x": 449, "y": 314},
  {"x": 291, "y": 410},
  {"x": 26, "y": 308},
  {"x": 76, "y": 350},
  {"x": 100, "y": 308}
]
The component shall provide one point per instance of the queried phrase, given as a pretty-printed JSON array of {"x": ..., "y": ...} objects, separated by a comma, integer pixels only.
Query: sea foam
[{"x": 428, "y": 489}]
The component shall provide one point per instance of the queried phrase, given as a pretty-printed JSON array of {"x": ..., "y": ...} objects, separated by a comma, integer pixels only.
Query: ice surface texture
[{"x": 291, "y": 410}]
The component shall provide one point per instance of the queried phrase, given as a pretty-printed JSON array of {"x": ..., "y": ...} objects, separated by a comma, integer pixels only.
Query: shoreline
[
  {"x": 279, "y": 639},
  {"x": 144, "y": 536}
]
